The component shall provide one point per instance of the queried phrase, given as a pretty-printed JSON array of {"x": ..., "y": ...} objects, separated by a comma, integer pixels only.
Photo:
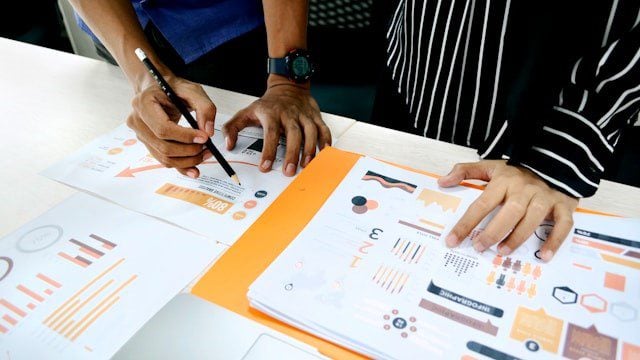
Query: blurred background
[
  {"x": 345, "y": 36},
  {"x": 338, "y": 30}
]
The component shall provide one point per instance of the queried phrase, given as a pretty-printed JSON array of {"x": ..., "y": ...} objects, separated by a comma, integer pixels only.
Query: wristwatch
[{"x": 296, "y": 66}]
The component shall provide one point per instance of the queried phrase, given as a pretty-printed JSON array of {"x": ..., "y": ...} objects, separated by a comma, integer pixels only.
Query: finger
[
  {"x": 477, "y": 211},
  {"x": 536, "y": 212},
  {"x": 293, "y": 134},
  {"x": 478, "y": 170},
  {"x": 310, "y": 141},
  {"x": 157, "y": 120},
  {"x": 270, "y": 144},
  {"x": 191, "y": 172},
  {"x": 563, "y": 218},
  {"x": 205, "y": 110},
  {"x": 232, "y": 127},
  {"x": 505, "y": 220},
  {"x": 324, "y": 134},
  {"x": 164, "y": 147},
  {"x": 183, "y": 162}
]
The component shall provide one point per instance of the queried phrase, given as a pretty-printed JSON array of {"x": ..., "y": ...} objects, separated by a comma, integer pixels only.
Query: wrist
[{"x": 279, "y": 80}]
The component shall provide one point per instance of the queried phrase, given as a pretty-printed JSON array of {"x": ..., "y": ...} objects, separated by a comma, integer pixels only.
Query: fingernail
[
  {"x": 307, "y": 160},
  {"x": 504, "y": 249},
  {"x": 192, "y": 174},
  {"x": 451, "y": 240},
  {"x": 547, "y": 255},
  {"x": 207, "y": 155},
  {"x": 228, "y": 142},
  {"x": 199, "y": 140},
  {"x": 266, "y": 165},
  {"x": 291, "y": 169},
  {"x": 478, "y": 246},
  {"x": 209, "y": 127}
]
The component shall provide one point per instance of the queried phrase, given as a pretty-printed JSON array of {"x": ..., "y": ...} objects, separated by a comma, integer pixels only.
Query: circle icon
[
  {"x": 114, "y": 151},
  {"x": 129, "y": 142},
  {"x": 250, "y": 204},
  {"x": 39, "y": 238},
  {"x": 260, "y": 194},
  {"x": 239, "y": 215},
  {"x": 359, "y": 200},
  {"x": 6, "y": 264},
  {"x": 543, "y": 231},
  {"x": 371, "y": 204},
  {"x": 399, "y": 323},
  {"x": 288, "y": 287},
  {"x": 532, "y": 346}
]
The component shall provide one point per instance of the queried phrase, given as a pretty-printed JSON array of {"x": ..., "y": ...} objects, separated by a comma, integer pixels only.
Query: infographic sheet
[
  {"x": 80, "y": 280},
  {"x": 119, "y": 168},
  {"x": 371, "y": 272}
]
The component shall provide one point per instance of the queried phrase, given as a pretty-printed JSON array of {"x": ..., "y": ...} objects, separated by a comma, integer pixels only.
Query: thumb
[
  {"x": 480, "y": 170},
  {"x": 197, "y": 100}
]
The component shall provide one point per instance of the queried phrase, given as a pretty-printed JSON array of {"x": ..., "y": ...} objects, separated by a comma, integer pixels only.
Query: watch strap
[{"x": 277, "y": 66}]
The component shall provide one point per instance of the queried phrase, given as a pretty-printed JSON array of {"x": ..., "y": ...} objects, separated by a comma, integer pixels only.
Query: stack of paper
[
  {"x": 80, "y": 280},
  {"x": 371, "y": 272},
  {"x": 118, "y": 167}
]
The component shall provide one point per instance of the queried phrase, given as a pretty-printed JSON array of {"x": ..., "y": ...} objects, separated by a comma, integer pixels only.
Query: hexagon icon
[
  {"x": 594, "y": 303},
  {"x": 623, "y": 311},
  {"x": 565, "y": 295}
]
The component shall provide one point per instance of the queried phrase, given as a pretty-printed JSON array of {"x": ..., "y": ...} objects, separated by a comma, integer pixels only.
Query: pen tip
[{"x": 235, "y": 179}]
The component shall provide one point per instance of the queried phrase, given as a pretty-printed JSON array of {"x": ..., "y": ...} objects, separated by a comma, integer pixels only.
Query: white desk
[
  {"x": 52, "y": 103},
  {"x": 439, "y": 157}
]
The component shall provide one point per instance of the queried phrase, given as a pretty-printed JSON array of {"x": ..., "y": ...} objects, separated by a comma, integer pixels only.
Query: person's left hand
[
  {"x": 284, "y": 108},
  {"x": 526, "y": 201}
]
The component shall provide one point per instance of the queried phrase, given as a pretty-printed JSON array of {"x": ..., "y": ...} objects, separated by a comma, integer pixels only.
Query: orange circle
[
  {"x": 114, "y": 151},
  {"x": 129, "y": 142},
  {"x": 250, "y": 204},
  {"x": 371, "y": 204},
  {"x": 239, "y": 215}
]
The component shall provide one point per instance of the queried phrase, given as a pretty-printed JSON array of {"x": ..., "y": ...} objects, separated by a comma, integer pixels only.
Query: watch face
[{"x": 300, "y": 66}]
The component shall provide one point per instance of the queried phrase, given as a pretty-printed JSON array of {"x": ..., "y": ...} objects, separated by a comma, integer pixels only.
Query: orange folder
[{"x": 228, "y": 281}]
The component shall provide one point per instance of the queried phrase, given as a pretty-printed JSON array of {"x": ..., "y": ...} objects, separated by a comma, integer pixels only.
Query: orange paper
[{"x": 228, "y": 281}]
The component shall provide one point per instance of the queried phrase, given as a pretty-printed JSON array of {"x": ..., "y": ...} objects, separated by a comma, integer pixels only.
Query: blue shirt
[{"x": 195, "y": 27}]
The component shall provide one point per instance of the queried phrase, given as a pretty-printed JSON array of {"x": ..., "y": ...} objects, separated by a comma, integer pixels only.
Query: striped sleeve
[{"x": 601, "y": 98}]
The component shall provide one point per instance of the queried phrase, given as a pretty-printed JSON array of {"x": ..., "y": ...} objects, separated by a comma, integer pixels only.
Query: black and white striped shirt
[{"x": 549, "y": 85}]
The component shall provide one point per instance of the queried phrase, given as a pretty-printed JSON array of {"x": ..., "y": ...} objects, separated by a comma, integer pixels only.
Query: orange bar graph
[
  {"x": 90, "y": 253},
  {"x": 105, "y": 243},
  {"x": 86, "y": 326},
  {"x": 30, "y": 293},
  {"x": 72, "y": 259},
  {"x": 9, "y": 319},
  {"x": 3, "y": 329},
  {"x": 79, "y": 292},
  {"x": 13, "y": 308},
  {"x": 113, "y": 294},
  {"x": 598, "y": 245},
  {"x": 69, "y": 313},
  {"x": 31, "y": 306},
  {"x": 48, "y": 280}
]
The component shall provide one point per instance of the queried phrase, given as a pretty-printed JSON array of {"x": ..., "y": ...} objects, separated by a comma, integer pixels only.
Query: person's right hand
[{"x": 154, "y": 119}]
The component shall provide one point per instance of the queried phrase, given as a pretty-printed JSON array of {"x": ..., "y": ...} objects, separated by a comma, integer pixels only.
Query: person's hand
[
  {"x": 154, "y": 119},
  {"x": 284, "y": 108},
  {"x": 527, "y": 201}
]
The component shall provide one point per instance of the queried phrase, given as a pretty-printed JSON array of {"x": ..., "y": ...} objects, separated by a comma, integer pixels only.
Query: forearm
[
  {"x": 114, "y": 22},
  {"x": 286, "y": 23}
]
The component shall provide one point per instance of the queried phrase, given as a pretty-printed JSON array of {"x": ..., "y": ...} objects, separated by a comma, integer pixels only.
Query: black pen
[{"x": 185, "y": 112}]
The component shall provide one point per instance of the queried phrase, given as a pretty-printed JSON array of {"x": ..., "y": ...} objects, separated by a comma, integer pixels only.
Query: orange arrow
[{"x": 129, "y": 172}]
